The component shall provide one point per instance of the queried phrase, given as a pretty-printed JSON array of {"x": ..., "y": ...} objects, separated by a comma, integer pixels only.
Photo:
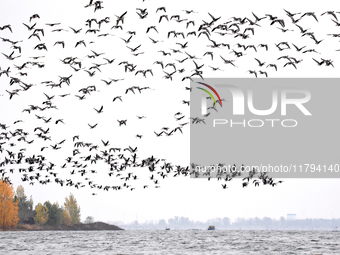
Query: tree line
[
  {"x": 256, "y": 223},
  {"x": 16, "y": 208}
]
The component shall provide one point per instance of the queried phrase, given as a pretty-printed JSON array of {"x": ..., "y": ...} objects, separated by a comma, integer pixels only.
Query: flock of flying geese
[{"x": 176, "y": 64}]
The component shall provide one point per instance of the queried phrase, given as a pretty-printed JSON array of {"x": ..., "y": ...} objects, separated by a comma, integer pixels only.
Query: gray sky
[{"x": 198, "y": 199}]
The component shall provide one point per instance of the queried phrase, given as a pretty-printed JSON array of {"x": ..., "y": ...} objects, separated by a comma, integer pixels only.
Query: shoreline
[{"x": 96, "y": 226}]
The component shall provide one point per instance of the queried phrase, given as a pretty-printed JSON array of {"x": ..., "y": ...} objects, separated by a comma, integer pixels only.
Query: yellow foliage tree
[
  {"x": 73, "y": 209},
  {"x": 42, "y": 214},
  {"x": 66, "y": 220},
  {"x": 8, "y": 206}
]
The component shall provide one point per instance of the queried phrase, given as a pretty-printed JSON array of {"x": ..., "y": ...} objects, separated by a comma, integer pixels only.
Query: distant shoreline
[{"x": 77, "y": 227}]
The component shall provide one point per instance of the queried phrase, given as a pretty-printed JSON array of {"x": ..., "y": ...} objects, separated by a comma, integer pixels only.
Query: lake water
[{"x": 170, "y": 242}]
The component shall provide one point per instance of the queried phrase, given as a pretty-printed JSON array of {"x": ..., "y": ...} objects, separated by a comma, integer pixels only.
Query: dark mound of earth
[{"x": 92, "y": 226}]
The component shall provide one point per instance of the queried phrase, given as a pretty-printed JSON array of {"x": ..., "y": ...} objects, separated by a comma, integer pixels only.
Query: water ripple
[{"x": 170, "y": 242}]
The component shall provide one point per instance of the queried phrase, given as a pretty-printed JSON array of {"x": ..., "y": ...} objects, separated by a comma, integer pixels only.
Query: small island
[{"x": 17, "y": 213}]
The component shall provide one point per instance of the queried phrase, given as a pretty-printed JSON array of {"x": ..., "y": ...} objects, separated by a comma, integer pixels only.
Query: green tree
[
  {"x": 42, "y": 214},
  {"x": 26, "y": 212},
  {"x": 89, "y": 219},
  {"x": 55, "y": 213},
  {"x": 72, "y": 208},
  {"x": 162, "y": 223}
]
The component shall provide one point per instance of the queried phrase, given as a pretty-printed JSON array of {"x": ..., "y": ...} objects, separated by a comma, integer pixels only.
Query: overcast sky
[{"x": 197, "y": 199}]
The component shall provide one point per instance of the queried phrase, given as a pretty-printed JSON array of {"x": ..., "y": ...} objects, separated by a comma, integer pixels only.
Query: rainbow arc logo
[{"x": 209, "y": 93}]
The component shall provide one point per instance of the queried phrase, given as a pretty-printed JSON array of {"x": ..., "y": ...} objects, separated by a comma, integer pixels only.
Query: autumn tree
[
  {"x": 55, "y": 214},
  {"x": 42, "y": 214},
  {"x": 8, "y": 206},
  {"x": 25, "y": 206},
  {"x": 72, "y": 208},
  {"x": 66, "y": 219}
]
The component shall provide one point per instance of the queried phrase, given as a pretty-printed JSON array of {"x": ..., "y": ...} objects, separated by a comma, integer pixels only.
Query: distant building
[{"x": 291, "y": 216}]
